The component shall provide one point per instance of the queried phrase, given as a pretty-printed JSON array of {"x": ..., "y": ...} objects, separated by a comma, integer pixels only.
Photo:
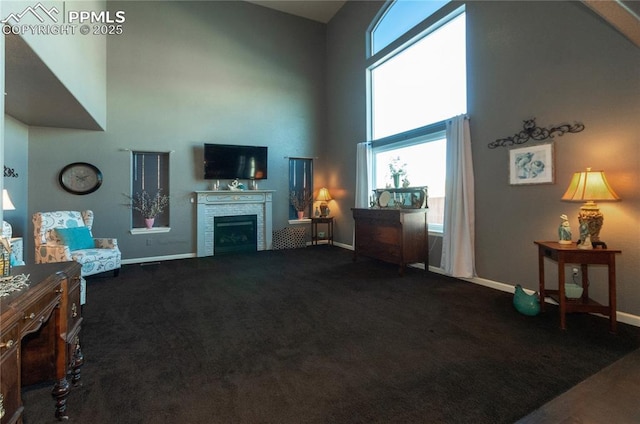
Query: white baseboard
[{"x": 157, "y": 258}]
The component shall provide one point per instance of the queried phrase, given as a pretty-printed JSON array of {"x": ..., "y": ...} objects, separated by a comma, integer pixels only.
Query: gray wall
[
  {"x": 15, "y": 158},
  {"x": 182, "y": 74},
  {"x": 187, "y": 73},
  {"x": 555, "y": 61}
]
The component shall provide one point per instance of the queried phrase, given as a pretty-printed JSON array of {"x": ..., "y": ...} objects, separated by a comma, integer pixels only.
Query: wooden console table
[
  {"x": 39, "y": 336},
  {"x": 399, "y": 236},
  {"x": 570, "y": 254}
]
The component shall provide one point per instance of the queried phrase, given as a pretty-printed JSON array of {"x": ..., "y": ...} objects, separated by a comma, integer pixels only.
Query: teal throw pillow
[{"x": 76, "y": 238}]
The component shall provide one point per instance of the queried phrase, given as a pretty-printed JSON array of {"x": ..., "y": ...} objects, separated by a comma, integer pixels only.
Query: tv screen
[{"x": 227, "y": 162}]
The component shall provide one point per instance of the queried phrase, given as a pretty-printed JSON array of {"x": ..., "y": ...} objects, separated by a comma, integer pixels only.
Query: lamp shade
[
  {"x": 323, "y": 195},
  {"x": 589, "y": 186},
  {"x": 7, "y": 204}
]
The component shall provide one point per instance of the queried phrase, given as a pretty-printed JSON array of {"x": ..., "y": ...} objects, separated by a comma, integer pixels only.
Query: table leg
[
  {"x": 585, "y": 282},
  {"x": 314, "y": 231},
  {"x": 541, "y": 278},
  {"x": 59, "y": 393},
  {"x": 76, "y": 364},
  {"x": 561, "y": 294},
  {"x": 613, "y": 322}
]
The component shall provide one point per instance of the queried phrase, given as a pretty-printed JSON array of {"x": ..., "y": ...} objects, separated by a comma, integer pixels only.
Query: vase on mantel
[
  {"x": 149, "y": 222},
  {"x": 300, "y": 214}
]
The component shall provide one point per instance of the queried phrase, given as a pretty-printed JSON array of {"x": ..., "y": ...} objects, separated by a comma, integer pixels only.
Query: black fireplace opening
[{"x": 235, "y": 234}]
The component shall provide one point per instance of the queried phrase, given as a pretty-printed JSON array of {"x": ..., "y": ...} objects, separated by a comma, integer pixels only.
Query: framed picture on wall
[{"x": 531, "y": 165}]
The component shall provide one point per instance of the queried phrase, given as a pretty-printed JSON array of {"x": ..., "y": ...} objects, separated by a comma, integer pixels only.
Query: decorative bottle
[
  {"x": 564, "y": 231},
  {"x": 5, "y": 258}
]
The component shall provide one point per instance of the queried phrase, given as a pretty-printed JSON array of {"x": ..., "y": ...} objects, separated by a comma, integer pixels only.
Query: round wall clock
[{"x": 80, "y": 178}]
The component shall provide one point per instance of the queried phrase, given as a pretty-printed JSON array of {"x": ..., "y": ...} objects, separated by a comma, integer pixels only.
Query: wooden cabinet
[
  {"x": 10, "y": 402},
  {"x": 399, "y": 236},
  {"x": 39, "y": 336}
]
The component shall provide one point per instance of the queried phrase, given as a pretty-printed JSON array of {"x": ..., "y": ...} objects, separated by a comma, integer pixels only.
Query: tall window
[
  {"x": 150, "y": 174},
  {"x": 300, "y": 186},
  {"x": 417, "y": 79}
]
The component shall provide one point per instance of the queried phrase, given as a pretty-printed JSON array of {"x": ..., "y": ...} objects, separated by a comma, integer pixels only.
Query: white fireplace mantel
[{"x": 233, "y": 203}]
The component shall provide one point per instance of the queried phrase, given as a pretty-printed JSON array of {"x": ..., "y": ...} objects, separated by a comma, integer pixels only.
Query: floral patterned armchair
[{"x": 66, "y": 236}]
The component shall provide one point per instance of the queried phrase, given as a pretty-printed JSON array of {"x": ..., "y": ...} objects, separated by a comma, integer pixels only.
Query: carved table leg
[
  {"x": 76, "y": 364},
  {"x": 59, "y": 393}
]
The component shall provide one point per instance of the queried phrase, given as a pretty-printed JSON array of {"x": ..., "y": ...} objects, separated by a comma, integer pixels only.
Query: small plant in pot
[
  {"x": 301, "y": 200},
  {"x": 149, "y": 206},
  {"x": 397, "y": 171}
]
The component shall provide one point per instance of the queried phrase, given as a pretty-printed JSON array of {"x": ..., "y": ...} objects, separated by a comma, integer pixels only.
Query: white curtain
[
  {"x": 458, "y": 244},
  {"x": 364, "y": 162}
]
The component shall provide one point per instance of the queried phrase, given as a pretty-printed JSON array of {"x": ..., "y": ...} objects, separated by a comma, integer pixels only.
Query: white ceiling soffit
[
  {"x": 316, "y": 10},
  {"x": 623, "y": 15},
  {"x": 35, "y": 96}
]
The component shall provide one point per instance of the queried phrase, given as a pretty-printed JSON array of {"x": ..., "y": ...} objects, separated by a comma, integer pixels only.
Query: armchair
[{"x": 66, "y": 236}]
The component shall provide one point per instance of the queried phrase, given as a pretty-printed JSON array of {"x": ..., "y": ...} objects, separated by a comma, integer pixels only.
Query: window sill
[
  {"x": 153, "y": 230},
  {"x": 299, "y": 221}
]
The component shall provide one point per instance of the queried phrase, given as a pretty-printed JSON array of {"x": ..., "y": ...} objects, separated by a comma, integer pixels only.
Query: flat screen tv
[{"x": 227, "y": 162}]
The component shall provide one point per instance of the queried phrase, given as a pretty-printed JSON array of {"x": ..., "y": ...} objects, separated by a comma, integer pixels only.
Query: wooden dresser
[
  {"x": 39, "y": 336},
  {"x": 399, "y": 236}
]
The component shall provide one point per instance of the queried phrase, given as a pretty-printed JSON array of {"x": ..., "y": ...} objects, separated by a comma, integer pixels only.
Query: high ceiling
[
  {"x": 36, "y": 97},
  {"x": 317, "y": 10}
]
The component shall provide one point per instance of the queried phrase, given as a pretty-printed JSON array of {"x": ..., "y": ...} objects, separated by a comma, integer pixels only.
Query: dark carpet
[{"x": 308, "y": 336}]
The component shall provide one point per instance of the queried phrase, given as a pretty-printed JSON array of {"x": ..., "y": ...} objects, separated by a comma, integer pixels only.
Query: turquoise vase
[{"x": 526, "y": 304}]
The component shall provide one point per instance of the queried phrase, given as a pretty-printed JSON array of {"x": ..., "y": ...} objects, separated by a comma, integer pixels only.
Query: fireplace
[
  {"x": 214, "y": 204},
  {"x": 237, "y": 233}
]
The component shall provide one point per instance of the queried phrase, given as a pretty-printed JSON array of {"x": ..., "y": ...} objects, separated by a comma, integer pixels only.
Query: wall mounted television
[{"x": 227, "y": 162}]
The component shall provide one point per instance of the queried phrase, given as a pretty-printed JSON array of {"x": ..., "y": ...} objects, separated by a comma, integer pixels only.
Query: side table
[
  {"x": 570, "y": 254},
  {"x": 314, "y": 228}
]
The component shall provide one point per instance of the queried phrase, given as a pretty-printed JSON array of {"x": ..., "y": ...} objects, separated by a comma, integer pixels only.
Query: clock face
[{"x": 80, "y": 178}]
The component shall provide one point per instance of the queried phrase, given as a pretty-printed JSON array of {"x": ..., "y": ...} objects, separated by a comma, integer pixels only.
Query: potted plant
[
  {"x": 150, "y": 206},
  {"x": 397, "y": 170},
  {"x": 300, "y": 200}
]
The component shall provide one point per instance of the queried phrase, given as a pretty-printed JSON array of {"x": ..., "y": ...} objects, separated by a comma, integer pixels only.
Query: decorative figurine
[
  {"x": 585, "y": 237},
  {"x": 236, "y": 185},
  {"x": 564, "y": 231}
]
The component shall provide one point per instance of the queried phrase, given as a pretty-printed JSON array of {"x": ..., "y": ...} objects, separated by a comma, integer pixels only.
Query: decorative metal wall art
[
  {"x": 10, "y": 172},
  {"x": 530, "y": 131}
]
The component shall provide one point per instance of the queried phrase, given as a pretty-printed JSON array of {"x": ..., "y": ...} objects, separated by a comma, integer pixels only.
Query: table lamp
[
  {"x": 7, "y": 204},
  {"x": 590, "y": 186},
  {"x": 323, "y": 197}
]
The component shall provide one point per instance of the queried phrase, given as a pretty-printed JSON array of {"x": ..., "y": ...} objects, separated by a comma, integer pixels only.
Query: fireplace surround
[{"x": 211, "y": 204}]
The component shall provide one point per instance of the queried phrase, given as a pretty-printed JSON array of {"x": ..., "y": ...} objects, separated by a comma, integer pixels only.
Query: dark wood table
[
  {"x": 570, "y": 254},
  {"x": 39, "y": 336},
  {"x": 314, "y": 228}
]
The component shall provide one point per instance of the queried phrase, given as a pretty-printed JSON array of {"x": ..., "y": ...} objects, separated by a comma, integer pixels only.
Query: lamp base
[{"x": 593, "y": 218}]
